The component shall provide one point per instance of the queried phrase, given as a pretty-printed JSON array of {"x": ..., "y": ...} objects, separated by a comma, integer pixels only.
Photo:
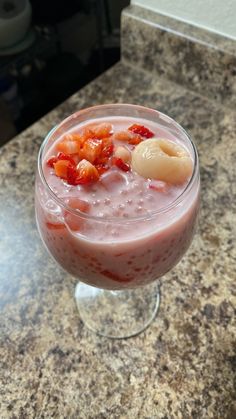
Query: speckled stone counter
[{"x": 183, "y": 365}]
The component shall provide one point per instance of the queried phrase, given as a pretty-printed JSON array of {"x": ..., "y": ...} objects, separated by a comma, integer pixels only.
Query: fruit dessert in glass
[{"x": 117, "y": 197}]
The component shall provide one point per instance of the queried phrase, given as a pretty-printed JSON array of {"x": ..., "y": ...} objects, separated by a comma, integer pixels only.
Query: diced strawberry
[
  {"x": 56, "y": 226},
  {"x": 63, "y": 156},
  {"x": 125, "y": 136},
  {"x": 107, "y": 147},
  {"x": 141, "y": 130},
  {"x": 75, "y": 222},
  {"x": 72, "y": 175},
  {"x": 128, "y": 137},
  {"x": 74, "y": 136},
  {"x": 135, "y": 140},
  {"x": 88, "y": 133},
  {"x": 91, "y": 150},
  {"x": 114, "y": 276},
  {"x": 69, "y": 145},
  {"x": 52, "y": 161},
  {"x": 102, "y": 130},
  {"x": 158, "y": 185},
  {"x": 78, "y": 204},
  {"x": 61, "y": 168},
  {"x": 121, "y": 164},
  {"x": 87, "y": 173}
]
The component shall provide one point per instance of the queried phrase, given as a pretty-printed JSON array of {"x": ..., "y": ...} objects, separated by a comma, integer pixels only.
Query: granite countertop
[{"x": 183, "y": 365}]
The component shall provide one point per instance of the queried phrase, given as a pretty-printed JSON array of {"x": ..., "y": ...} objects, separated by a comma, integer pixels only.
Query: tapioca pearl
[
  {"x": 96, "y": 203},
  {"x": 121, "y": 206},
  {"x": 125, "y": 215},
  {"x": 129, "y": 201},
  {"x": 140, "y": 201},
  {"x": 107, "y": 201},
  {"x": 123, "y": 192}
]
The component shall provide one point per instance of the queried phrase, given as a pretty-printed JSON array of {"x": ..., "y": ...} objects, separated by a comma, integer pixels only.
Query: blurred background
[{"x": 49, "y": 49}]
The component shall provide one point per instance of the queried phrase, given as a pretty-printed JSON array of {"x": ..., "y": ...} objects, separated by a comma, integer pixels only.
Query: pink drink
[{"x": 133, "y": 233}]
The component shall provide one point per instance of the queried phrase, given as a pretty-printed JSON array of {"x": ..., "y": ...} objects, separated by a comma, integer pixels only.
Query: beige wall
[{"x": 215, "y": 15}]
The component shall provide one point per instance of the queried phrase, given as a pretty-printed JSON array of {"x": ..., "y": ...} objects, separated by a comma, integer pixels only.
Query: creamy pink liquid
[{"x": 115, "y": 251}]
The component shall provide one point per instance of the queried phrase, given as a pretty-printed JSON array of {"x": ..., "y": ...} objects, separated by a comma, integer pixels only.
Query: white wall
[{"x": 215, "y": 15}]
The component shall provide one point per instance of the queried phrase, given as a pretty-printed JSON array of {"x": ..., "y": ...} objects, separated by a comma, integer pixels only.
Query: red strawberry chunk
[
  {"x": 128, "y": 137},
  {"x": 72, "y": 175},
  {"x": 107, "y": 147},
  {"x": 141, "y": 130},
  {"x": 87, "y": 173},
  {"x": 56, "y": 226},
  {"x": 69, "y": 145},
  {"x": 79, "y": 204},
  {"x": 120, "y": 163},
  {"x": 124, "y": 136},
  {"x": 102, "y": 130},
  {"x": 63, "y": 156},
  {"x": 52, "y": 161},
  {"x": 88, "y": 133},
  {"x": 91, "y": 150},
  {"x": 114, "y": 276},
  {"x": 135, "y": 140},
  {"x": 61, "y": 168}
]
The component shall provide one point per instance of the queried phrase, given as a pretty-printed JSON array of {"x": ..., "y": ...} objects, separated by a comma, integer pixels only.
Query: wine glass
[{"x": 117, "y": 260}]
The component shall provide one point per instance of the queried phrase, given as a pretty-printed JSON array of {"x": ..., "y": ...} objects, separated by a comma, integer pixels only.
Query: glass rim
[{"x": 124, "y": 220}]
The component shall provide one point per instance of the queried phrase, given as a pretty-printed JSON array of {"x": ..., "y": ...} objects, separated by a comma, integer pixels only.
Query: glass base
[{"x": 117, "y": 314}]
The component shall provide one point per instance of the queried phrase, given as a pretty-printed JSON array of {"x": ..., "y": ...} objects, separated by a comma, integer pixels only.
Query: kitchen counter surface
[{"x": 183, "y": 365}]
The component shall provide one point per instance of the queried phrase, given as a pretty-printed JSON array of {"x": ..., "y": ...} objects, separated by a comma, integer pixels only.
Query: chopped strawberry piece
[
  {"x": 141, "y": 130},
  {"x": 88, "y": 133},
  {"x": 121, "y": 164},
  {"x": 69, "y": 145},
  {"x": 158, "y": 185},
  {"x": 128, "y": 137},
  {"x": 75, "y": 222},
  {"x": 72, "y": 175},
  {"x": 107, "y": 147},
  {"x": 87, "y": 173},
  {"x": 78, "y": 204},
  {"x": 125, "y": 136},
  {"x": 91, "y": 150},
  {"x": 75, "y": 137},
  {"x": 102, "y": 130},
  {"x": 52, "y": 161},
  {"x": 135, "y": 140},
  {"x": 114, "y": 276},
  {"x": 61, "y": 168},
  {"x": 56, "y": 226},
  {"x": 63, "y": 156}
]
